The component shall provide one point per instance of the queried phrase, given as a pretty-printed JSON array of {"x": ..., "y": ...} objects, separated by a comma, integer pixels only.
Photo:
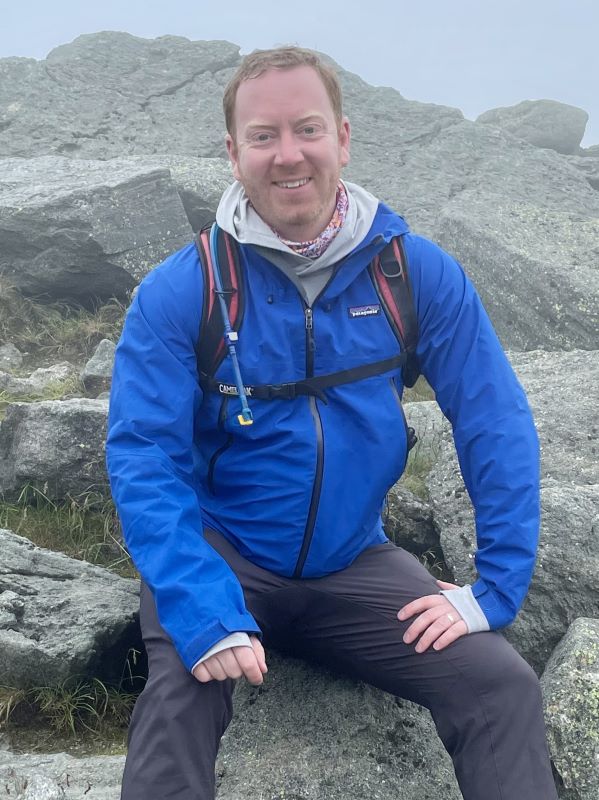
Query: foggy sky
[{"x": 471, "y": 54}]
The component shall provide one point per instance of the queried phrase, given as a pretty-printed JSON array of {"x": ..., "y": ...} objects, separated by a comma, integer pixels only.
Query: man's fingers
[
  {"x": 445, "y": 585},
  {"x": 420, "y": 604},
  {"x": 259, "y": 653},
  {"x": 215, "y": 668},
  {"x": 201, "y": 674},
  {"x": 422, "y": 622},
  {"x": 450, "y": 635},
  {"x": 248, "y": 662},
  {"x": 433, "y": 632},
  {"x": 229, "y": 663}
]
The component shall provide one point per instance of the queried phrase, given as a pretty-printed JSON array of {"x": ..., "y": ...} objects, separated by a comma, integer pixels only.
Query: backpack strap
[
  {"x": 210, "y": 346},
  {"x": 390, "y": 275},
  {"x": 310, "y": 386}
]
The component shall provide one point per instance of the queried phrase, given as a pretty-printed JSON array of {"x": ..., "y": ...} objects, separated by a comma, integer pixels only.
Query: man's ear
[
  {"x": 232, "y": 153},
  {"x": 344, "y": 134}
]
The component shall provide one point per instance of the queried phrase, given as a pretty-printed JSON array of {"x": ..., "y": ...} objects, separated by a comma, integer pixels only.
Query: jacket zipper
[
  {"x": 317, "y": 487},
  {"x": 218, "y": 453}
]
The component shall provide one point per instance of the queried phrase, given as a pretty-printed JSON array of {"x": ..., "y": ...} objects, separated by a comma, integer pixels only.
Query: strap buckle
[{"x": 282, "y": 391}]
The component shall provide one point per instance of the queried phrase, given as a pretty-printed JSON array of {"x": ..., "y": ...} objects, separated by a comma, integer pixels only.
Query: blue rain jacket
[{"x": 300, "y": 491}]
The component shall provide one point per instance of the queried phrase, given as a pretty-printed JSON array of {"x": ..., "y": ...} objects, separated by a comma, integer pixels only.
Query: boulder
[
  {"x": 97, "y": 373},
  {"x": 571, "y": 699},
  {"x": 56, "y": 775},
  {"x": 421, "y": 180},
  {"x": 10, "y": 357},
  {"x": 543, "y": 123},
  {"x": 565, "y": 580},
  {"x": 55, "y": 445},
  {"x": 303, "y": 734},
  {"x": 409, "y": 521},
  {"x": 534, "y": 268},
  {"x": 112, "y": 94},
  {"x": 60, "y": 617},
  {"x": 307, "y": 734},
  {"x": 40, "y": 381},
  {"x": 85, "y": 230},
  {"x": 200, "y": 182}
]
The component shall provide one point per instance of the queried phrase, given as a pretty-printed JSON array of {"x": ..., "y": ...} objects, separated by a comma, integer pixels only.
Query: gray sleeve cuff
[
  {"x": 465, "y": 604},
  {"x": 238, "y": 639}
]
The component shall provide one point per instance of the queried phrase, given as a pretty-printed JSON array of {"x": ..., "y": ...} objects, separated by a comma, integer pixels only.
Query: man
[{"x": 274, "y": 528}]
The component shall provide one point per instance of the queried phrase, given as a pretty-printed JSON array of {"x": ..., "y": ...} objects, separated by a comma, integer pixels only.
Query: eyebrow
[{"x": 258, "y": 125}]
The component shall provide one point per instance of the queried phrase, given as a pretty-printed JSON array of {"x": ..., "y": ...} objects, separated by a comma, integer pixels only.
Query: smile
[{"x": 292, "y": 184}]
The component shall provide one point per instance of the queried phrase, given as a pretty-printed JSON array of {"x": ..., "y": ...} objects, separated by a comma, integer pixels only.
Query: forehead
[{"x": 282, "y": 93}]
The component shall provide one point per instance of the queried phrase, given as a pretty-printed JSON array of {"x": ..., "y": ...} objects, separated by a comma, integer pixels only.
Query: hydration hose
[{"x": 230, "y": 336}]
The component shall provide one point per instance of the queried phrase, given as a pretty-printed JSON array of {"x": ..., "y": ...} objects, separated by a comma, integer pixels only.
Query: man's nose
[{"x": 289, "y": 150}]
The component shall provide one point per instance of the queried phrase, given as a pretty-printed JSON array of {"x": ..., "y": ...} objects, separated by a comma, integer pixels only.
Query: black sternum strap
[{"x": 310, "y": 386}]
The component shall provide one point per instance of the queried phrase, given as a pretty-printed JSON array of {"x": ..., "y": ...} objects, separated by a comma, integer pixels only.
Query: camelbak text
[{"x": 228, "y": 388}]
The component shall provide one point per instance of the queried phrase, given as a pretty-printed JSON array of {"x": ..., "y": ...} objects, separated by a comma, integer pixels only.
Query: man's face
[{"x": 287, "y": 151}]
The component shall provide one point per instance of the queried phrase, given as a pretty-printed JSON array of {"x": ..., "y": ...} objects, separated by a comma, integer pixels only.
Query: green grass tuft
[
  {"x": 84, "y": 527},
  {"x": 56, "y": 331}
]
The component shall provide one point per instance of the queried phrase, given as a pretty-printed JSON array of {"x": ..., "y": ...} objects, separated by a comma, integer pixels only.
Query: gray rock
[
  {"x": 60, "y": 617},
  {"x": 96, "y": 778},
  {"x": 535, "y": 268},
  {"x": 97, "y": 373},
  {"x": 589, "y": 167},
  {"x": 200, "y": 182},
  {"x": 571, "y": 699},
  {"x": 55, "y": 445},
  {"x": 112, "y": 94},
  {"x": 306, "y": 734},
  {"x": 40, "y": 381},
  {"x": 40, "y": 787},
  {"x": 543, "y": 123},
  {"x": 565, "y": 582},
  {"x": 302, "y": 734},
  {"x": 409, "y": 521},
  {"x": 10, "y": 357},
  {"x": 85, "y": 230},
  {"x": 466, "y": 157}
]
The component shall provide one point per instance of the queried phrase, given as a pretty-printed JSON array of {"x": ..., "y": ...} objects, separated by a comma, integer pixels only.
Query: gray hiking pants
[{"x": 484, "y": 698}]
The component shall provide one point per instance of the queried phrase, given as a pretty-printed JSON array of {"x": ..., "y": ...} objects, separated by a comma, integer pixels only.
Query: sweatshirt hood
[{"x": 366, "y": 218}]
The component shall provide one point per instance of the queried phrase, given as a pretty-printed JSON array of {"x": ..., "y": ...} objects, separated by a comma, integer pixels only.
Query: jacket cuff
[
  {"x": 198, "y": 647},
  {"x": 239, "y": 639},
  {"x": 466, "y": 605}
]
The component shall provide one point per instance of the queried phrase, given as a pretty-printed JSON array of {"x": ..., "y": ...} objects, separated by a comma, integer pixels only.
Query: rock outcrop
[
  {"x": 565, "y": 581},
  {"x": 56, "y": 446},
  {"x": 571, "y": 697},
  {"x": 544, "y": 123},
  {"x": 97, "y": 373},
  {"x": 60, "y": 617}
]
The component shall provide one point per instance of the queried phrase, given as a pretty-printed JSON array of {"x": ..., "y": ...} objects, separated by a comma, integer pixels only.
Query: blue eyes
[{"x": 264, "y": 137}]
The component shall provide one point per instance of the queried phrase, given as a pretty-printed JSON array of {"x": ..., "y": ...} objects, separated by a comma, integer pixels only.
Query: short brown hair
[{"x": 258, "y": 62}]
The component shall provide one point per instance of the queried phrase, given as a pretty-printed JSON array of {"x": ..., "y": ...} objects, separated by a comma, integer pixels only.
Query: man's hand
[
  {"x": 437, "y": 621},
  {"x": 234, "y": 662}
]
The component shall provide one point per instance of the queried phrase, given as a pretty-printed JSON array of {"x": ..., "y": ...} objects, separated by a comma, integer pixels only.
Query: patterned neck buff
[{"x": 316, "y": 247}]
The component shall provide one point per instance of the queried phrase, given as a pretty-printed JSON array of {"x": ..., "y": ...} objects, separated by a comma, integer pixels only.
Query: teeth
[{"x": 293, "y": 184}]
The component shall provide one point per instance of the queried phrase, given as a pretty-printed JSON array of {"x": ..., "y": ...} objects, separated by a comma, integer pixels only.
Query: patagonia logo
[
  {"x": 364, "y": 311},
  {"x": 230, "y": 388}
]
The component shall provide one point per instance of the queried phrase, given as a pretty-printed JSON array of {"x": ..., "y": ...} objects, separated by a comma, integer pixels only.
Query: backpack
[{"x": 223, "y": 280}]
